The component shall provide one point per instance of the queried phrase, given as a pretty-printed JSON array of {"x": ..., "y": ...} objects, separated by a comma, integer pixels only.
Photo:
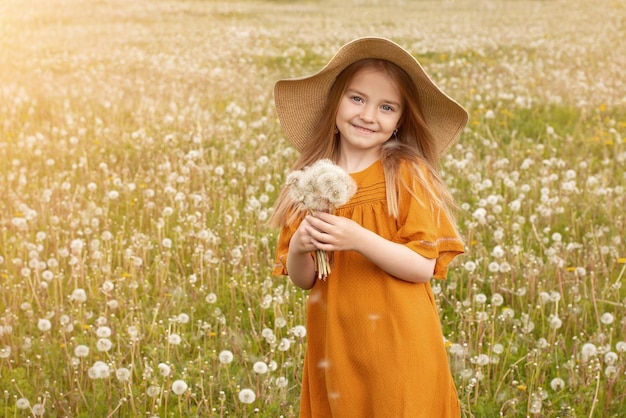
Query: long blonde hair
[{"x": 413, "y": 143}]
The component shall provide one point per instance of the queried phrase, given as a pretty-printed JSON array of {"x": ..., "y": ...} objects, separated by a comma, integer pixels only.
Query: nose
[{"x": 368, "y": 113}]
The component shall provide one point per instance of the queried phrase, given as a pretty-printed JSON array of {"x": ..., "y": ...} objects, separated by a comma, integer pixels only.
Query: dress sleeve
[
  {"x": 425, "y": 228},
  {"x": 282, "y": 249}
]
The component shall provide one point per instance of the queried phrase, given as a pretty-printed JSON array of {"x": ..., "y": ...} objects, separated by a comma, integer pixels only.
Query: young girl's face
[{"x": 369, "y": 112}]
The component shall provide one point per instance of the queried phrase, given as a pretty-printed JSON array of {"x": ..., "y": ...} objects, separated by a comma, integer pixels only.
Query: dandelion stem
[{"x": 595, "y": 395}]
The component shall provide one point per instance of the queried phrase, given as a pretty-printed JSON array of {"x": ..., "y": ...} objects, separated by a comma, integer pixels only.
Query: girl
[{"x": 375, "y": 346}]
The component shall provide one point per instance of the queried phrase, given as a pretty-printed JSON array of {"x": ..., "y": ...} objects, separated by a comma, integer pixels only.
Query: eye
[
  {"x": 387, "y": 108},
  {"x": 357, "y": 99}
]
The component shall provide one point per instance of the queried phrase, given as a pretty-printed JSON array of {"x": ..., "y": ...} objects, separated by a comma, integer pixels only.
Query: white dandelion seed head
[
  {"x": 260, "y": 367},
  {"x": 79, "y": 295},
  {"x": 99, "y": 370},
  {"x": 174, "y": 339},
  {"x": 211, "y": 298},
  {"x": 611, "y": 358},
  {"x": 620, "y": 347},
  {"x": 457, "y": 350},
  {"x": 588, "y": 350},
  {"x": 22, "y": 403},
  {"x": 104, "y": 344},
  {"x": 103, "y": 332},
  {"x": 557, "y": 384},
  {"x": 497, "y": 299},
  {"x": 226, "y": 357},
  {"x": 247, "y": 396},
  {"x": 498, "y": 251},
  {"x": 611, "y": 372},
  {"x": 44, "y": 324},
  {"x": 5, "y": 352},
  {"x": 122, "y": 374},
  {"x": 470, "y": 266},
  {"x": 480, "y": 298},
  {"x": 281, "y": 382},
  {"x": 299, "y": 331},
  {"x": 179, "y": 387},
  {"x": 164, "y": 369},
  {"x": 607, "y": 318},
  {"x": 153, "y": 391},
  {"x": 133, "y": 332},
  {"x": 38, "y": 410},
  {"x": 555, "y": 322},
  {"x": 81, "y": 351},
  {"x": 108, "y": 286},
  {"x": 284, "y": 344}
]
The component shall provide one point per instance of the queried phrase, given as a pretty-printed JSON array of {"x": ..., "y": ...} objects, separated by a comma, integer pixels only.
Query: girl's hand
[
  {"x": 302, "y": 241},
  {"x": 332, "y": 233}
]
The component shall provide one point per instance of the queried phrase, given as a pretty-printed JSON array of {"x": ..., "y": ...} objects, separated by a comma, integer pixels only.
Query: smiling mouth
[{"x": 362, "y": 129}]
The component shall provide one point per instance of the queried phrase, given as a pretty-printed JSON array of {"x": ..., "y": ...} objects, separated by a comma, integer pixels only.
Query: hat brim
[{"x": 300, "y": 101}]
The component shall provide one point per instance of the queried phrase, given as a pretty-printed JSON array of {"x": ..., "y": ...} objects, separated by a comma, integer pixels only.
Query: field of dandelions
[{"x": 140, "y": 157}]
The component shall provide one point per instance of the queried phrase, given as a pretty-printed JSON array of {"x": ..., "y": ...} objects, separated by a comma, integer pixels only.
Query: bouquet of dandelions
[{"x": 321, "y": 187}]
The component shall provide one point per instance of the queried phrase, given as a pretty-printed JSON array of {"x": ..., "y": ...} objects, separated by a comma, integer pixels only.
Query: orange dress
[{"x": 375, "y": 347}]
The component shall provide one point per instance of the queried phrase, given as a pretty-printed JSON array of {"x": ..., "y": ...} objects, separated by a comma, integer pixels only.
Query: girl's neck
[{"x": 355, "y": 162}]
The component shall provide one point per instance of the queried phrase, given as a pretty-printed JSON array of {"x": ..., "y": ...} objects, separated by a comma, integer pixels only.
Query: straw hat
[{"x": 300, "y": 101}]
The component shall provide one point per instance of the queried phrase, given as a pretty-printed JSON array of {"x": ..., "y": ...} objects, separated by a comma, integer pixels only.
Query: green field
[{"x": 140, "y": 156}]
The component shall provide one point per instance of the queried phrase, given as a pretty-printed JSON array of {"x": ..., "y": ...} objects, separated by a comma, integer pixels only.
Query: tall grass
[{"x": 140, "y": 157}]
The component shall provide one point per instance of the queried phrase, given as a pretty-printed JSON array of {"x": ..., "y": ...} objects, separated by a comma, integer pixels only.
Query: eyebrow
[{"x": 360, "y": 93}]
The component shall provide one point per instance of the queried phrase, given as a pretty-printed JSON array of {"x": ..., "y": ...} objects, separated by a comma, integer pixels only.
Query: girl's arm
[
  {"x": 336, "y": 233},
  {"x": 300, "y": 265}
]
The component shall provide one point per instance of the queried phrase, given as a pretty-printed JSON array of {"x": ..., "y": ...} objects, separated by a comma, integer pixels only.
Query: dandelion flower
[
  {"x": 284, "y": 344},
  {"x": 44, "y": 325},
  {"x": 611, "y": 372},
  {"x": 247, "y": 396},
  {"x": 211, "y": 298},
  {"x": 226, "y": 357},
  {"x": 81, "y": 351},
  {"x": 588, "y": 350},
  {"x": 607, "y": 318},
  {"x": 470, "y": 266},
  {"x": 555, "y": 322},
  {"x": 299, "y": 331},
  {"x": 22, "y": 403},
  {"x": 174, "y": 339},
  {"x": 281, "y": 382},
  {"x": 122, "y": 374},
  {"x": 179, "y": 387},
  {"x": 38, "y": 410},
  {"x": 497, "y": 299},
  {"x": 557, "y": 384},
  {"x": 5, "y": 352},
  {"x": 104, "y": 344},
  {"x": 153, "y": 391},
  {"x": 79, "y": 295},
  {"x": 164, "y": 369},
  {"x": 99, "y": 370},
  {"x": 620, "y": 347},
  {"x": 480, "y": 298},
  {"x": 260, "y": 367},
  {"x": 103, "y": 332},
  {"x": 611, "y": 358}
]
